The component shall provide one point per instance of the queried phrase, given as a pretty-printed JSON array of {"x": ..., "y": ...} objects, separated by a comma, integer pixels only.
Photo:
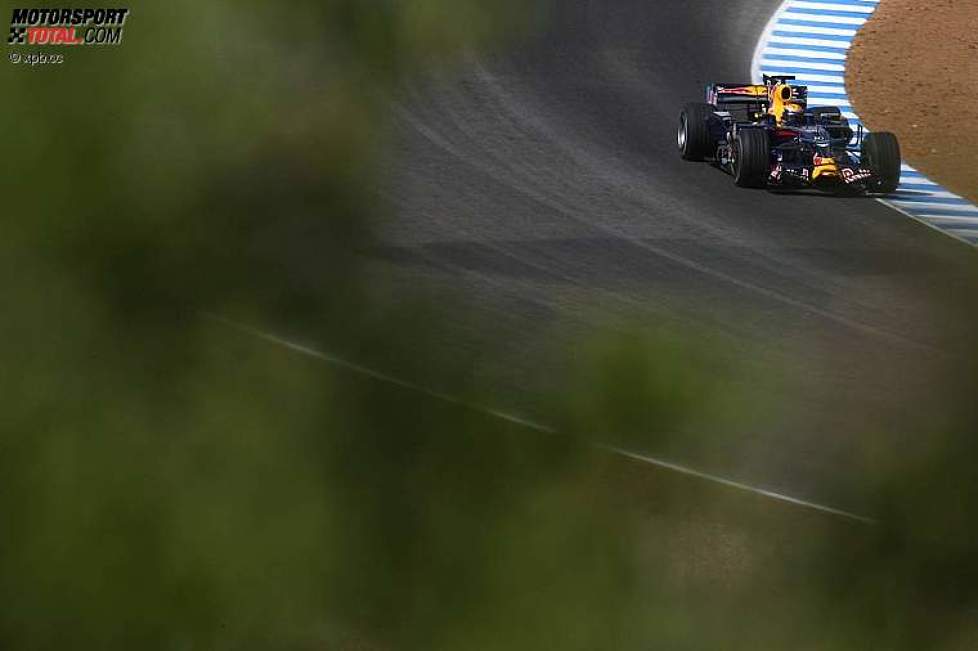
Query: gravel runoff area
[{"x": 913, "y": 70}]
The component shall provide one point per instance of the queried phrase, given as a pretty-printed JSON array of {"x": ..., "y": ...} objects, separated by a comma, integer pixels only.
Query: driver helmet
[{"x": 794, "y": 110}]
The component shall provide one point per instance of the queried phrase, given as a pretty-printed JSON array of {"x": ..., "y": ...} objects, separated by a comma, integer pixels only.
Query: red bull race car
[{"x": 766, "y": 136}]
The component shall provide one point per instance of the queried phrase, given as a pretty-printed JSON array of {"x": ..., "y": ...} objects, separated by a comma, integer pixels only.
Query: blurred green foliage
[{"x": 168, "y": 483}]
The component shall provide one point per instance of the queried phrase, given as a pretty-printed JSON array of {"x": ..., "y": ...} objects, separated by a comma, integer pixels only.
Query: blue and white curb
[{"x": 811, "y": 40}]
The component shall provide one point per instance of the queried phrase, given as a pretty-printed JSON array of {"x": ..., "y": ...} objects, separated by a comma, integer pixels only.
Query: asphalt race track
[{"x": 543, "y": 190}]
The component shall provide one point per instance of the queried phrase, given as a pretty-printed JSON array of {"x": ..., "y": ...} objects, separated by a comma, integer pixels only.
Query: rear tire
[
  {"x": 752, "y": 162},
  {"x": 694, "y": 139},
  {"x": 881, "y": 155}
]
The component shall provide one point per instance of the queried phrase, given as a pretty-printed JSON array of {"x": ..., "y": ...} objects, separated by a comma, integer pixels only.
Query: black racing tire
[
  {"x": 881, "y": 155},
  {"x": 752, "y": 160},
  {"x": 694, "y": 139}
]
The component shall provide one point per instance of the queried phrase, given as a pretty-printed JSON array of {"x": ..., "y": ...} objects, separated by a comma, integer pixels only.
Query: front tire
[
  {"x": 881, "y": 155},
  {"x": 752, "y": 161},
  {"x": 694, "y": 140}
]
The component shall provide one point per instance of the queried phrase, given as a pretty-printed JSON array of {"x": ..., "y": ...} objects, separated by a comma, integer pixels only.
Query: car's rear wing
[
  {"x": 720, "y": 94},
  {"x": 743, "y": 102}
]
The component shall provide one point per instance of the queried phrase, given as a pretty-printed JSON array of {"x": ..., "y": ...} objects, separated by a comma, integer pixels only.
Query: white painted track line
[
  {"x": 332, "y": 360},
  {"x": 828, "y": 6}
]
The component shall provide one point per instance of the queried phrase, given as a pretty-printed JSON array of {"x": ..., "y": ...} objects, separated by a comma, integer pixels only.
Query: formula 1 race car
[{"x": 766, "y": 136}]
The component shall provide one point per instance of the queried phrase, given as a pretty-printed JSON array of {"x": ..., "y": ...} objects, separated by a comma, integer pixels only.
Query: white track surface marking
[{"x": 332, "y": 360}]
